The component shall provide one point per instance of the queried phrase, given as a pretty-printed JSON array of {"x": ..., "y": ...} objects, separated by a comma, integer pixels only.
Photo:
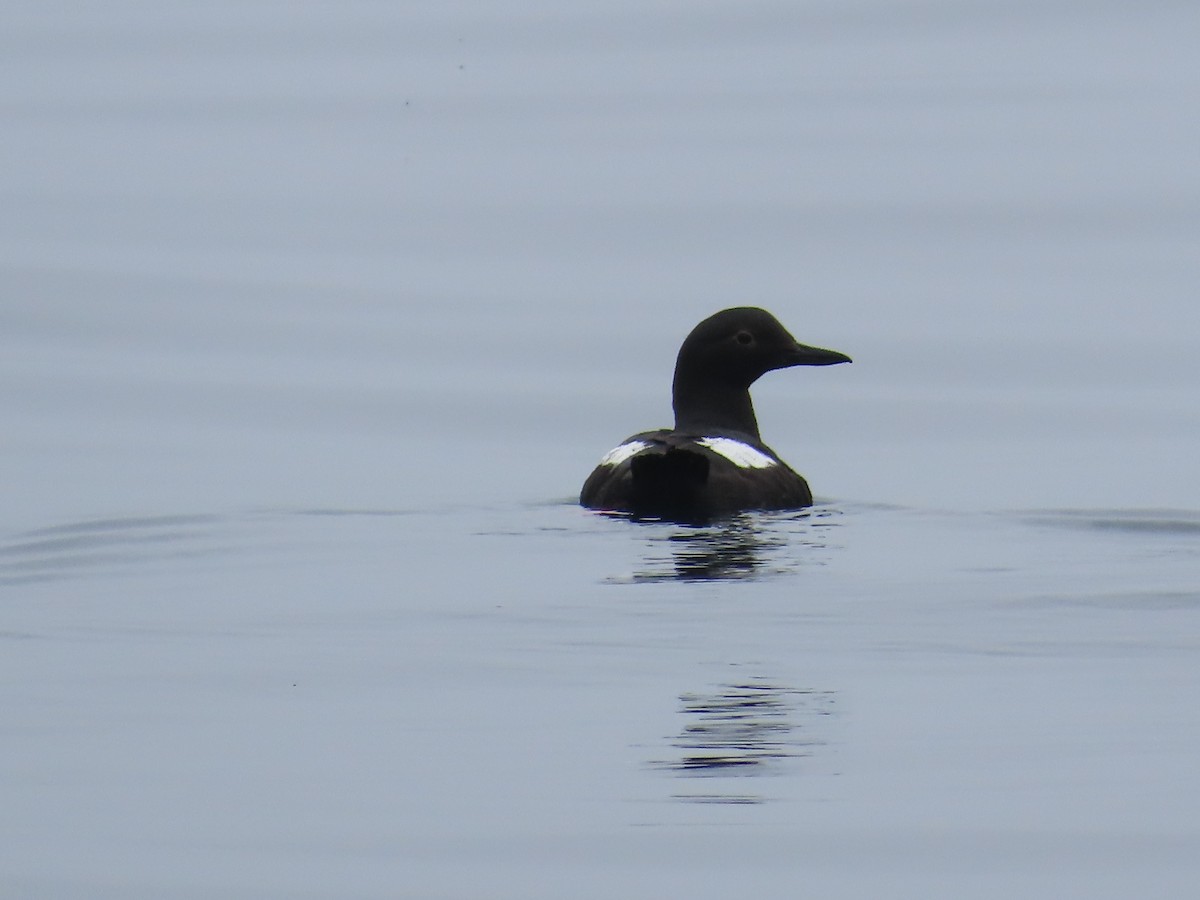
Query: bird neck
[{"x": 702, "y": 405}]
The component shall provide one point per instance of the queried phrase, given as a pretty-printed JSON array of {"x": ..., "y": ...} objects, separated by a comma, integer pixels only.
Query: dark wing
[
  {"x": 611, "y": 484},
  {"x": 664, "y": 474}
]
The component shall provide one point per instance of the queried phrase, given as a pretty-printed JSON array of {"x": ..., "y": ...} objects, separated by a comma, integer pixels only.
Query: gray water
[{"x": 315, "y": 316}]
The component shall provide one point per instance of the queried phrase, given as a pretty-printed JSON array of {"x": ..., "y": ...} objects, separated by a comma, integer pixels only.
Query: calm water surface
[
  {"x": 511, "y": 698},
  {"x": 314, "y": 319}
]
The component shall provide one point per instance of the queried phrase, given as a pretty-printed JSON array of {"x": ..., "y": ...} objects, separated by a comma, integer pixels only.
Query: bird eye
[{"x": 744, "y": 338}]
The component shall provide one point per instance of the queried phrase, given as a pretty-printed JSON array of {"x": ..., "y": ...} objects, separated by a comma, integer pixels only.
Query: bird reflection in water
[
  {"x": 746, "y": 728},
  {"x": 745, "y": 547}
]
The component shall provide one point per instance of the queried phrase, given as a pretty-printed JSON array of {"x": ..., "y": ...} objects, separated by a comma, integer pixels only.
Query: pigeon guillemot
[{"x": 713, "y": 462}]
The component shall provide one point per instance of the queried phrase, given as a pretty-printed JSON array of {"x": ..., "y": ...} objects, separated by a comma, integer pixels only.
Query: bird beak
[{"x": 803, "y": 355}]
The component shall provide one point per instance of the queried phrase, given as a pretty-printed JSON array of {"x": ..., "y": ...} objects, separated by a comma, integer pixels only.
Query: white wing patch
[
  {"x": 618, "y": 455},
  {"x": 741, "y": 455}
]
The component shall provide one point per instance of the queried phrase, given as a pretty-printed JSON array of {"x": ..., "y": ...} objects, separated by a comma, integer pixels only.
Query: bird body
[{"x": 713, "y": 462}]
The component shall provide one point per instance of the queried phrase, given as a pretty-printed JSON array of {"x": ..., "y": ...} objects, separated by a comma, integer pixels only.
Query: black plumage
[{"x": 713, "y": 462}]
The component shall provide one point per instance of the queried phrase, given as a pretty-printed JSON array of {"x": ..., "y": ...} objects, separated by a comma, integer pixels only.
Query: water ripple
[
  {"x": 59, "y": 551},
  {"x": 1134, "y": 521}
]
